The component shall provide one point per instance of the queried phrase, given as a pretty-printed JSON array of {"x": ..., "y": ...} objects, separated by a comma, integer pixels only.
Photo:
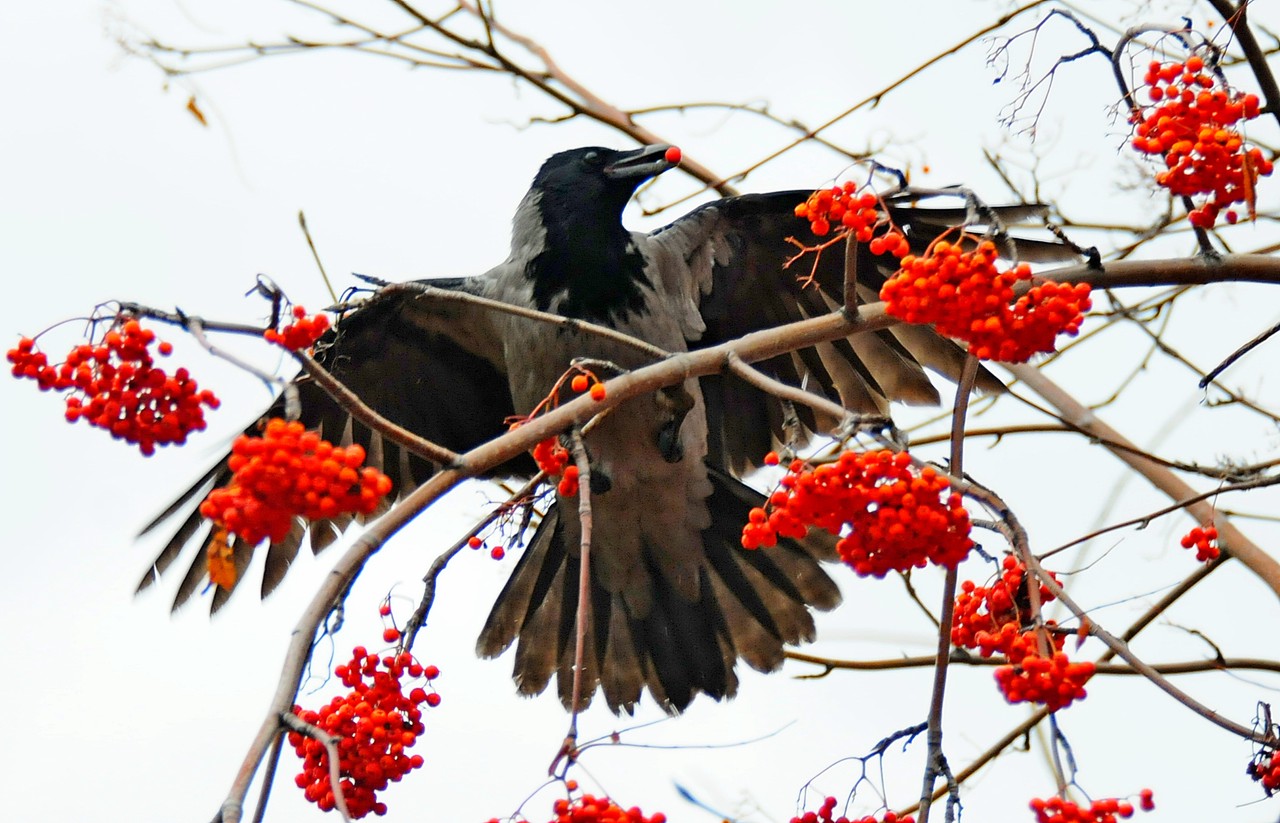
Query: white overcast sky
[{"x": 110, "y": 189}]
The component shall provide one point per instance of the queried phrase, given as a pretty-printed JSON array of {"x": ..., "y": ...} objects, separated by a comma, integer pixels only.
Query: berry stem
[{"x": 297, "y": 724}]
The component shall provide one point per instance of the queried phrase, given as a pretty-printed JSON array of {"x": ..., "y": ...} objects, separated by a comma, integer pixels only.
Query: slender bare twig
[
  {"x": 1237, "y": 544},
  {"x": 924, "y": 661},
  {"x": 302, "y": 222},
  {"x": 582, "y": 623},
  {"x": 936, "y": 759}
]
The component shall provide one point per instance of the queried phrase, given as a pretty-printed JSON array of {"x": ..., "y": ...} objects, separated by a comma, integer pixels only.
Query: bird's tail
[{"x": 749, "y": 604}]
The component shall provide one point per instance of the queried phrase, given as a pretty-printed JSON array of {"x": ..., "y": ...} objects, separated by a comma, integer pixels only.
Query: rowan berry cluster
[
  {"x": 1053, "y": 681},
  {"x": 1107, "y": 810},
  {"x": 1205, "y": 542},
  {"x": 302, "y": 333},
  {"x": 991, "y": 618},
  {"x": 588, "y": 383},
  {"x": 853, "y": 212},
  {"x": 496, "y": 552},
  {"x": 900, "y": 517},
  {"x": 289, "y": 472},
  {"x": 1193, "y": 124},
  {"x": 588, "y": 808},
  {"x": 553, "y": 459},
  {"x": 1265, "y": 769},
  {"x": 826, "y": 814},
  {"x": 115, "y": 385},
  {"x": 966, "y": 297},
  {"x": 374, "y": 725}
]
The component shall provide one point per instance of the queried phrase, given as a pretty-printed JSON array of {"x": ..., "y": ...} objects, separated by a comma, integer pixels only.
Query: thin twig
[{"x": 936, "y": 759}]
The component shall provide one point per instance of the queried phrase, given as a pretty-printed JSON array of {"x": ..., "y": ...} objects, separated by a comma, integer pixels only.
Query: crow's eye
[{"x": 592, "y": 157}]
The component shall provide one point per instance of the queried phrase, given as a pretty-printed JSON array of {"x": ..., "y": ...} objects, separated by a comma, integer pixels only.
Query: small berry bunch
[
  {"x": 826, "y": 814},
  {"x": 115, "y": 385},
  {"x": 854, "y": 213},
  {"x": 1107, "y": 810},
  {"x": 302, "y": 333},
  {"x": 1204, "y": 540},
  {"x": 900, "y": 517},
  {"x": 375, "y": 724},
  {"x": 990, "y": 618},
  {"x": 1193, "y": 124},
  {"x": 553, "y": 459},
  {"x": 957, "y": 287},
  {"x": 497, "y": 552},
  {"x": 1054, "y": 681},
  {"x": 1265, "y": 769},
  {"x": 289, "y": 472},
  {"x": 588, "y": 382},
  {"x": 588, "y": 808}
]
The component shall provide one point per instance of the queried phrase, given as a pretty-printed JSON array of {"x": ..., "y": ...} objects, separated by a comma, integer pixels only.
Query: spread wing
[
  {"x": 727, "y": 262},
  {"x": 426, "y": 366}
]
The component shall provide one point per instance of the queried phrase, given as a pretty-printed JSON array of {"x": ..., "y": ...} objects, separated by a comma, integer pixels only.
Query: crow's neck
[{"x": 592, "y": 262}]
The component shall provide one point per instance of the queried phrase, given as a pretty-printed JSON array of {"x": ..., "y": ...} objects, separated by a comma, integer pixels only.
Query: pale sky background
[{"x": 110, "y": 189}]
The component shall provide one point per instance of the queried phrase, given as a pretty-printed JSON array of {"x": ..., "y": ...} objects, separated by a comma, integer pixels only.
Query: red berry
[{"x": 672, "y": 155}]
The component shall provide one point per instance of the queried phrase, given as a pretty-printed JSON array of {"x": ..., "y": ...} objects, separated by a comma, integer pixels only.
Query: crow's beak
[{"x": 642, "y": 163}]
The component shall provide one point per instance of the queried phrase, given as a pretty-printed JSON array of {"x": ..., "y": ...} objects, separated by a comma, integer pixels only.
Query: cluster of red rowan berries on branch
[
  {"x": 1265, "y": 769},
  {"x": 587, "y": 382},
  {"x": 588, "y": 808},
  {"x": 553, "y": 459},
  {"x": 1107, "y": 810},
  {"x": 1193, "y": 125},
  {"x": 1204, "y": 540},
  {"x": 966, "y": 297},
  {"x": 826, "y": 814},
  {"x": 289, "y": 472},
  {"x": 855, "y": 213},
  {"x": 302, "y": 333},
  {"x": 115, "y": 385},
  {"x": 990, "y": 619},
  {"x": 375, "y": 724},
  {"x": 1053, "y": 681},
  {"x": 496, "y": 552},
  {"x": 900, "y": 517}
]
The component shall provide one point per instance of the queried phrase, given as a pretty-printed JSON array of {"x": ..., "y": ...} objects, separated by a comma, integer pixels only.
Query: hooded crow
[{"x": 675, "y": 600}]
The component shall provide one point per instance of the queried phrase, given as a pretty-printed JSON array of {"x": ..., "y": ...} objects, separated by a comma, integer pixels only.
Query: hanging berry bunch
[
  {"x": 553, "y": 459},
  {"x": 1204, "y": 541},
  {"x": 289, "y": 472},
  {"x": 588, "y": 808},
  {"x": 990, "y": 618},
  {"x": 957, "y": 287},
  {"x": 375, "y": 725},
  {"x": 1193, "y": 123},
  {"x": 1105, "y": 810},
  {"x": 302, "y": 333},
  {"x": 856, "y": 212},
  {"x": 115, "y": 385},
  {"x": 899, "y": 517},
  {"x": 826, "y": 814},
  {"x": 994, "y": 620},
  {"x": 1265, "y": 769}
]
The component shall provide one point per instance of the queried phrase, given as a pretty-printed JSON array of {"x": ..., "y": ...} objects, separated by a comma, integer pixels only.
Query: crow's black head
[
  {"x": 596, "y": 179},
  {"x": 589, "y": 256}
]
